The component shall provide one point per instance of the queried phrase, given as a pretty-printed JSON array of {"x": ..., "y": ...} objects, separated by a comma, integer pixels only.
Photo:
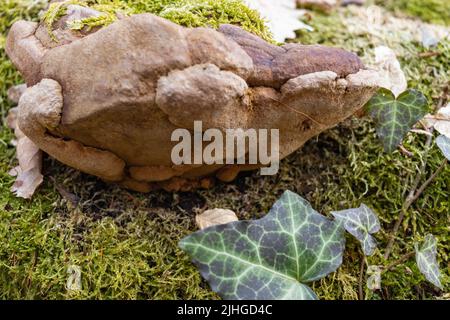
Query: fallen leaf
[
  {"x": 28, "y": 172},
  {"x": 440, "y": 121},
  {"x": 374, "y": 278},
  {"x": 389, "y": 70},
  {"x": 426, "y": 260},
  {"x": 282, "y": 17},
  {"x": 215, "y": 217},
  {"x": 429, "y": 39},
  {"x": 443, "y": 143},
  {"x": 74, "y": 279}
]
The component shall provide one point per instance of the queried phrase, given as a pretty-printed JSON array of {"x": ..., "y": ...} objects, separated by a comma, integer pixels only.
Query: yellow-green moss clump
[{"x": 189, "y": 13}]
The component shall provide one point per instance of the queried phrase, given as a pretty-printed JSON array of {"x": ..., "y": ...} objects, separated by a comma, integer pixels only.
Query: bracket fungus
[{"x": 106, "y": 101}]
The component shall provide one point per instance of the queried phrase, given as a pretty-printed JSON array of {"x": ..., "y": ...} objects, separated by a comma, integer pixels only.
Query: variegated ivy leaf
[
  {"x": 269, "y": 258},
  {"x": 361, "y": 223},
  {"x": 426, "y": 260},
  {"x": 443, "y": 143},
  {"x": 395, "y": 117}
]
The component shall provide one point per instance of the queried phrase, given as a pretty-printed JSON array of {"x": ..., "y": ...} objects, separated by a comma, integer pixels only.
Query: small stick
[
  {"x": 430, "y": 179},
  {"x": 436, "y": 118},
  {"x": 361, "y": 276},
  {"x": 429, "y": 54},
  {"x": 399, "y": 261},
  {"x": 425, "y": 132},
  {"x": 405, "y": 151}
]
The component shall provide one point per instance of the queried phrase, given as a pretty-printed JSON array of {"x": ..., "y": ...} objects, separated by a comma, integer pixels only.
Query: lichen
[{"x": 189, "y": 13}]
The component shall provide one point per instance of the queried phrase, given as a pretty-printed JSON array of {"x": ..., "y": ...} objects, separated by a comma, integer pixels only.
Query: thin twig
[
  {"x": 361, "y": 277},
  {"x": 430, "y": 179},
  {"x": 429, "y": 54},
  {"x": 405, "y": 151},
  {"x": 412, "y": 193},
  {"x": 436, "y": 118},
  {"x": 425, "y": 132},
  {"x": 402, "y": 259}
]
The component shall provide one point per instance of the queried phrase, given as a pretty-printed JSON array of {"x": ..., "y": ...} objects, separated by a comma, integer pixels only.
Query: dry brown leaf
[
  {"x": 28, "y": 172},
  {"x": 374, "y": 278},
  {"x": 440, "y": 121},
  {"x": 74, "y": 278},
  {"x": 215, "y": 217},
  {"x": 389, "y": 70}
]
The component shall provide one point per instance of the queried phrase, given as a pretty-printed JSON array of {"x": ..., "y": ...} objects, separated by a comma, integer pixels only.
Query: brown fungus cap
[{"x": 107, "y": 102}]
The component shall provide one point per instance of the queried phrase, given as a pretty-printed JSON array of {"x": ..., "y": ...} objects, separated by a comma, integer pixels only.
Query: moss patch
[
  {"x": 380, "y": 180},
  {"x": 189, "y": 13}
]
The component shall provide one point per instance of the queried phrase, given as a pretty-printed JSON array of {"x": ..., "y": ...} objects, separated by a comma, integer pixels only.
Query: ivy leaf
[
  {"x": 269, "y": 258},
  {"x": 443, "y": 143},
  {"x": 426, "y": 260},
  {"x": 214, "y": 217},
  {"x": 361, "y": 223},
  {"x": 395, "y": 117}
]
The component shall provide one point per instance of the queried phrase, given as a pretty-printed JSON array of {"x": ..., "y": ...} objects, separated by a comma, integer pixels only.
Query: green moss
[
  {"x": 433, "y": 11},
  {"x": 380, "y": 180},
  {"x": 54, "y": 13},
  {"x": 189, "y": 13},
  {"x": 127, "y": 252}
]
